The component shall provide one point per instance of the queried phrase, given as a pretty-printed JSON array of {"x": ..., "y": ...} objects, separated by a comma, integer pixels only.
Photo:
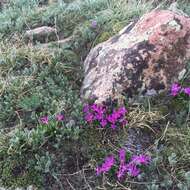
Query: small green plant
[{"x": 22, "y": 143}]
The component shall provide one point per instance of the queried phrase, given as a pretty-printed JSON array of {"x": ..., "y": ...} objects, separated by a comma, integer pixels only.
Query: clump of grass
[{"x": 140, "y": 117}]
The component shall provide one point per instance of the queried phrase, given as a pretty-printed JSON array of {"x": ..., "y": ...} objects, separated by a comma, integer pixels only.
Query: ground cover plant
[{"x": 49, "y": 139}]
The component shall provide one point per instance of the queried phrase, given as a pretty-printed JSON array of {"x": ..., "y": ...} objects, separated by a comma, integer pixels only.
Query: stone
[
  {"x": 146, "y": 56},
  {"x": 41, "y": 34}
]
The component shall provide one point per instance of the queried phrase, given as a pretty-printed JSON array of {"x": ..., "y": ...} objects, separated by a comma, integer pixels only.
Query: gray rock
[{"x": 41, "y": 34}]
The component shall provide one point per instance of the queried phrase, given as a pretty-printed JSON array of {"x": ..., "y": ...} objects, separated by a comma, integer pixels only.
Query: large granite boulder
[{"x": 146, "y": 56}]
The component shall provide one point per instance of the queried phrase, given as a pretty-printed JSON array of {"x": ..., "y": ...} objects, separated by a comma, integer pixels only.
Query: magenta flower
[
  {"x": 44, "y": 120},
  {"x": 175, "y": 89},
  {"x": 123, "y": 167},
  {"x": 124, "y": 122},
  {"x": 89, "y": 117},
  {"x": 94, "y": 107},
  {"x": 141, "y": 159},
  {"x": 122, "y": 154},
  {"x": 59, "y": 117},
  {"x": 122, "y": 111},
  {"x": 86, "y": 108},
  {"x": 98, "y": 170},
  {"x": 99, "y": 116},
  {"x": 122, "y": 171},
  {"x": 116, "y": 114},
  {"x": 187, "y": 91},
  {"x": 133, "y": 170},
  {"x": 103, "y": 123},
  {"x": 112, "y": 118},
  {"x": 106, "y": 166},
  {"x": 113, "y": 126},
  {"x": 97, "y": 108}
]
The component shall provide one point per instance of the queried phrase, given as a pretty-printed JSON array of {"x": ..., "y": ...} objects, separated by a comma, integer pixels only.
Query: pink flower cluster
[
  {"x": 131, "y": 168},
  {"x": 100, "y": 115},
  {"x": 45, "y": 119},
  {"x": 106, "y": 166},
  {"x": 176, "y": 89}
]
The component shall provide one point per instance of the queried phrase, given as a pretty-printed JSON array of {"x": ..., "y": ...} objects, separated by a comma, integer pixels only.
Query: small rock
[
  {"x": 41, "y": 34},
  {"x": 71, "y": 123},
  {"x": 151, "y": 92}
]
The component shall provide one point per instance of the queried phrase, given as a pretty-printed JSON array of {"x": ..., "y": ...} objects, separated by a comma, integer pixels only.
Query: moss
[
  {"x": 14, "y": 173},
  {"x": 110, "y": 30},
  {"x": 103, "y": 37},
  {"x": 117, "y": 27}
]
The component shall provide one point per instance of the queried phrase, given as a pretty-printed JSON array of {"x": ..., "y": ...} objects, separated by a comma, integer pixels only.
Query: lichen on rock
[{"x": 147, "y": 55}]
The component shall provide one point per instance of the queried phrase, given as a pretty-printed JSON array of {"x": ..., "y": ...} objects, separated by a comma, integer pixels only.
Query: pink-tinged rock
[{"x": 148, "y": 55}]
